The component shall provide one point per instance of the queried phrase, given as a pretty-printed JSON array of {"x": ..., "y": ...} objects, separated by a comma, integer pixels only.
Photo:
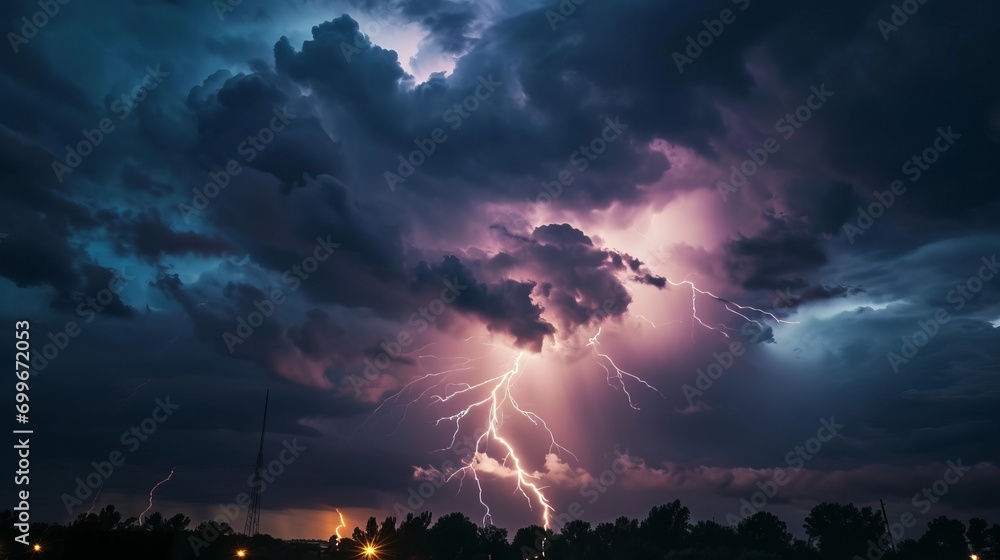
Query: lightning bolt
[
  {"x": 696, "y": 291},
  {"x": 343, "y": 524},
  {"x": 94, "y": 503},
  {"x": 495, "y": 396},
  {"x": 153, "y": 489},
  {"x": 619, "y": 374}
]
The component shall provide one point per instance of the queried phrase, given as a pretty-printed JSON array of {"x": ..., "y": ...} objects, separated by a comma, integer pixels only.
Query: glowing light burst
[
  {"x": 343, "y": 524},
  {"x": 369, "y": 550},
  {"x": 153, "y": 489}
]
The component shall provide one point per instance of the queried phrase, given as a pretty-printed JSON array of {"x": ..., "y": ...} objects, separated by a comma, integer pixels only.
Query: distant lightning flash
[
  {"x": 94, "y": 503},
  {"x": 620, "y": 374},
  {"x": 343, "y": 524},
  {"x": 695, "y": 290},
  {"x": 153, "y": 489}
]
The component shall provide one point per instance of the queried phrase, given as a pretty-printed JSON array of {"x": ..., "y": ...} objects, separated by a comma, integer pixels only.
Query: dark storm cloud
[
  {"x": 766, "y": 261},
  {"x": 251, "y": 120},
  {"x": 448, "y": 22},
  {"x": 149, "y": 236},
  {"x": 355, "y": 114}
]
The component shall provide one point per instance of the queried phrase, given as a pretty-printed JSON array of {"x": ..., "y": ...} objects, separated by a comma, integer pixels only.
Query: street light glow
[{"x": 369, "y": 550}]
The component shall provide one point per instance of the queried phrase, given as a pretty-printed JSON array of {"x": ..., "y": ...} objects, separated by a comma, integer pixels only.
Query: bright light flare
[
  {"x": 241, "y": 553},
  {"x": 369, "y": 550},
  {"x": 37, "y": 548}
]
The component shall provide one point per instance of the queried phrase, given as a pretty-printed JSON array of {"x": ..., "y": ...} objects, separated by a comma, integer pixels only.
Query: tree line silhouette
[{"x": 834, "y": 532}]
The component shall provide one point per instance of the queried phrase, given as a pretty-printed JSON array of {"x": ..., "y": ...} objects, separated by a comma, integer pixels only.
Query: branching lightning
[
  {"x": 620, "y": 374},
  {"x": 494, "y": 396},
  {"x": 695, "y": 291},
  {"x": 153, "y": 489},
  {"x": 499, "y": 394}
]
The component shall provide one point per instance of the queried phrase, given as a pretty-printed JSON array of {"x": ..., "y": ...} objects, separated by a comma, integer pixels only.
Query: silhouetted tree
[
  {"x": 764, "y": 532},
  {"x": 411, "y": 536},
  {"x": 576, "y": 540},
  {"x": 492, "y": 542},
  {"x": 944, "y": 539},
  {"x": 709, "y": 534},
  {"x": 452, "y": 535},
  {"x": 842, "y": 531},
  {"x": 978, "y": 537},
  {"x": 837, "y": 531},
  {"x": 666, "y": 527},
  {"x": 530, "y": 542}
]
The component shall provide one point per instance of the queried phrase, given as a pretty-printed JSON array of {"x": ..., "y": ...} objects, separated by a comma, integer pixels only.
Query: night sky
[{"x": 450, "y": 202}]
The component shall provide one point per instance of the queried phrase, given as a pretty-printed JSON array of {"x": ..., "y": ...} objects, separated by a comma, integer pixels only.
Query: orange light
[
  {"x": 974, "y": 557},
  {"x": 369, "y": 550},
  {"x": 37, "y": 547},
  {"x": 241, "y": 553}
]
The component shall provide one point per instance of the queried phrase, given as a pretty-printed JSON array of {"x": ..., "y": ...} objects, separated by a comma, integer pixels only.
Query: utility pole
[
  {"x": 253, "y": 513},
  {"x": 888, "y": 531}
]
